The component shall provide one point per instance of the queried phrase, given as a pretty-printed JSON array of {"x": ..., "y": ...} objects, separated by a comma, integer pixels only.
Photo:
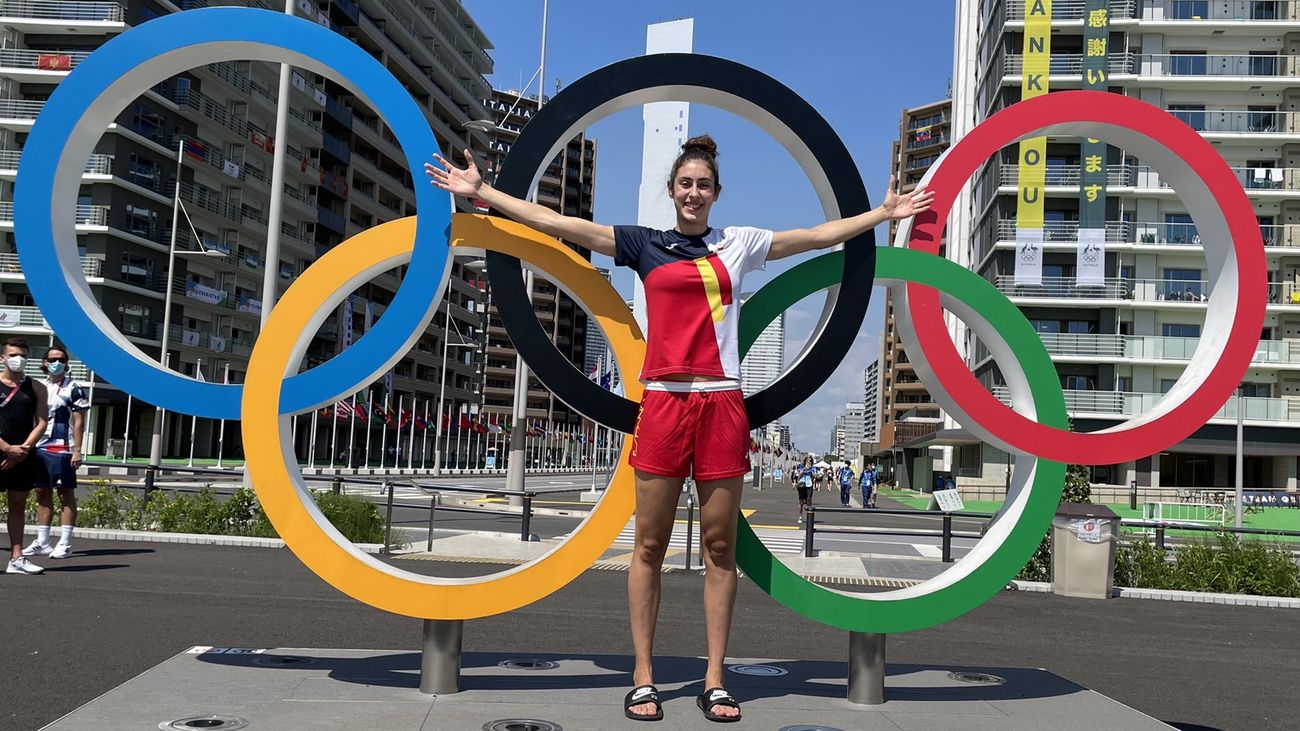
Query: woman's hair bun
[{"x": 701, "y": 143}]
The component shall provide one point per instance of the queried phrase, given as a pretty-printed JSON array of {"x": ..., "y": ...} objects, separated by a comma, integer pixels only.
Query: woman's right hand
[{"x": 463, "y": 182}]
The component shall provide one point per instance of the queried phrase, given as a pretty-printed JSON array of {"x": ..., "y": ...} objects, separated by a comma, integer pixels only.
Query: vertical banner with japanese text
[
  {"x": 1090, "y": 269},
  {"x": 1033, "y": 152}
]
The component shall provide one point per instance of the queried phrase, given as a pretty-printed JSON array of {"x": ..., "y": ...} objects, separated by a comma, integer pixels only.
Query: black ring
[{"x": 738, "y": 89}]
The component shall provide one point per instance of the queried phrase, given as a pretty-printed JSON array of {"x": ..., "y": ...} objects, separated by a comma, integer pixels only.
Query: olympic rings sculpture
[{"x": 1034, "y": 428}]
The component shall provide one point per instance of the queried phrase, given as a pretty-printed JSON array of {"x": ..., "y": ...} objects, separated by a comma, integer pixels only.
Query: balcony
[
  {"x": 1125, "y": 404},
  {"x": 1074, "y": 9},
  {"x": 1239, "y": 121},
  {"x": 1156, "y": 348},
  {"x": 91, "y": 266},
  {"x": 36, "y": 66},
  {"x": 1113, "y": 288},
  {"x": 45, "y": 16},
  {"x": 19, "y": 114},
  {"x": 1215, "y": 65},
  {"x": 1068, "y": 64},
  {"x": 1208, "y": 11},
  {"x": 1069, "y": 175},
  {"x": 87, "y": 215},
  {"x": 1147, "y": 233},
  {"x": 96, "y": 165}
]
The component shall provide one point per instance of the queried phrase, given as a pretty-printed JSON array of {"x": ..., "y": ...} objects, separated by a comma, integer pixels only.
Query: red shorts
[{"x": 702, "y": 433}]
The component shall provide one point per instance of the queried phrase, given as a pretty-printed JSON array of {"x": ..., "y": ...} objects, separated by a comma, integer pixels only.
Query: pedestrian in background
[
  {"x": 803, "y": 479},
  {"x": 846, "y": 484},
  {"x": 22, "y": 422},
  {"x": 58, "y": 456},
  {"x": 868, "y": 483}
]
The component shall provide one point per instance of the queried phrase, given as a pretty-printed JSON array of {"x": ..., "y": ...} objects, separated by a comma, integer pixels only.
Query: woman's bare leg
[
  {"x": 656, "y": 507},
  {"x": 719, "y": 506}
]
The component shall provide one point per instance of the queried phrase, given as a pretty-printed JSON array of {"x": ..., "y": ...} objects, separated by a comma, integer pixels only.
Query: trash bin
[{"x": 1083, "y": 550}]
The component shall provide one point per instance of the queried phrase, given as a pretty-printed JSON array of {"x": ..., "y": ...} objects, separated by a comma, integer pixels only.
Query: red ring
[{"x": 1120, "y": 444}]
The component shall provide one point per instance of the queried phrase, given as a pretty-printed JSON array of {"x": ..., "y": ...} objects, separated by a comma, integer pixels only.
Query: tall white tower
[{"x": 665, "y": 129}]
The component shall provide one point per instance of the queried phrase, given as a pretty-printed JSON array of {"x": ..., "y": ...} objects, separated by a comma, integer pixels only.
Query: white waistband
[{"x": 729, "y": 384}]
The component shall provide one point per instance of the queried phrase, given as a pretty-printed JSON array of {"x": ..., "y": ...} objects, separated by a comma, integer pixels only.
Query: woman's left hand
[{"x": 898, "y": 207}]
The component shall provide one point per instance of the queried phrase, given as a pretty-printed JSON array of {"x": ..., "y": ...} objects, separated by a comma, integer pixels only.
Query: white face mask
[
  {"x": 16, "y": 363},
  {"x": 56, "y": 368}
]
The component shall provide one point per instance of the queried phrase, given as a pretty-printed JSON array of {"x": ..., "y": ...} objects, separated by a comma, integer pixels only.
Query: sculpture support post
[
  {"x": 867, "y": 668},
  {"x": 440, "y": 656}
]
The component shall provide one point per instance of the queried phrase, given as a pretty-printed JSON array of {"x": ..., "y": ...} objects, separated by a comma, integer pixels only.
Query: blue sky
[{"x": 859, "y": 63}]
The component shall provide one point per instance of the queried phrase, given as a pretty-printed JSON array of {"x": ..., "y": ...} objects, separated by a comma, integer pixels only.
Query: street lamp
[
  {"x": 159, "y": 414},
  {"x": 477, "y": 266}
]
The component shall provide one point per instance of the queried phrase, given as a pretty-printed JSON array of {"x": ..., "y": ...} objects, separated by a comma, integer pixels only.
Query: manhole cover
[
  {"x": 761, "y": 671},
  {"x": 223, "y": 723},
  {"x": 808, "y": 727},
  {"x": 522, "y": 724},
  {"x": 529, "y": 664},
  {"x": 284, "y": 661},
  {"x": 980, "y": 678}
]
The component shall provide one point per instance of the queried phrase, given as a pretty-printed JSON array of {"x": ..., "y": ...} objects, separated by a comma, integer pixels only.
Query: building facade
[
  {"x": 205, "y": 138},
  {"x": 871, "y": 401},
  {"x": 568, "y": 187},
  {"x": 854, "y": 424},
  {"x": 762, "y": 366},
  {"x": 1226, "y": 69},
  {"x": 906, "y": 413}
]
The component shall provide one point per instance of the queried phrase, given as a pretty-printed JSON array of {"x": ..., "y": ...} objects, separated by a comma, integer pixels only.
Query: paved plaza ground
[{"x": 117, "y": 609}]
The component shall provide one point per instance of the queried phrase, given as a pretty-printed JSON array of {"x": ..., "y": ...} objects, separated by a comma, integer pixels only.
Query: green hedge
[
  {"x": 1227, "y": 565},
  {"x": 239, "y": 514}
]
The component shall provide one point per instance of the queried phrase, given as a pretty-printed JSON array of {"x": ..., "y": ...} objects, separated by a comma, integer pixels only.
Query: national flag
[
  {"x": 342, "y": 410},
  {"x": 406, "y": 419},
  {"x": 464, "y": 422},
  {"x": 54, "y": 62},
  {"x": 753, "y": 445},
  {"x": 196, "y": 150},
  {"x": 607, "y": 380},
  {"x": 537, "y": 430},
  {"x": 480, "y": 425},
  {"x": 494, "y": 426}
]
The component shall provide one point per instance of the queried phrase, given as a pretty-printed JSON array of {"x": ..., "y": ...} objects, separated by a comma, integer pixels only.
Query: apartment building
[
  {"x": 761, "y": 367},
  {"x": 871, "y": 401},
  {"x": 568, "y": 186},
  {"x": 1226, "y": 68},
  {"x": 906, "y": 413},
  {"x": 205, "y": 137}
]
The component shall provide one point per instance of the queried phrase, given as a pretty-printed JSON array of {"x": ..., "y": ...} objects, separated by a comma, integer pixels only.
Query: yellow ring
[{"x": 284, "y": 495}]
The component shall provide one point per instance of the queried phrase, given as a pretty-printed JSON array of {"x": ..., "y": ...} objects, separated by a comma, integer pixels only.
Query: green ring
[{"x": 879, "y": 612}]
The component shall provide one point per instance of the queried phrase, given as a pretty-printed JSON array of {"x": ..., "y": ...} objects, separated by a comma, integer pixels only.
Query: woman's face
[{"x": 693, "y": 192}]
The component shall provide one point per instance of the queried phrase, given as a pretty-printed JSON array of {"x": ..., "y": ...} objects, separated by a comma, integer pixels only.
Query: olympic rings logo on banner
[{"x": 1035, "y": 428}]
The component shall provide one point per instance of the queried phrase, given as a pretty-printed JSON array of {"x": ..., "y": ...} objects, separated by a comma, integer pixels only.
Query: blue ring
[{"x": 269, "y": 33}]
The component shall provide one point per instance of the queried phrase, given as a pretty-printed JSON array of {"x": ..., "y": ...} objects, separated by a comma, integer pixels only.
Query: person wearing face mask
[
  {"x": 22, "y": 422},
  {"x": 59, "y": 455},
  {"x": 692, "y": 421}
]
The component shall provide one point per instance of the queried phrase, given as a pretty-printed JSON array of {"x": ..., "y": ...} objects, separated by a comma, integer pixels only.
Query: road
[{"x": 116, "y": 609}]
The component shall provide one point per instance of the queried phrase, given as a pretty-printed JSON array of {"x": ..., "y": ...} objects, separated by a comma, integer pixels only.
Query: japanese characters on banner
[
  {"x": 1033, "y": 151},
  {"x": 1090, "y": 268}
]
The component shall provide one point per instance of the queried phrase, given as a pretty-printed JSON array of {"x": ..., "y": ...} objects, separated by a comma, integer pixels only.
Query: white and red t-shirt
[
  {"x": 64, "y": 399},
  {"x": 692, "y": 291}
]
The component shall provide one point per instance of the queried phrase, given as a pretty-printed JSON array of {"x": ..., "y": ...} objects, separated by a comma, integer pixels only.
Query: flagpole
[
  {"x": 370, "y": 412},
  {"x": 221, "y": 431},
  {"x": 352, "y": 431},
  {"x": 89, "y": 446},
  {"x": 194, "y": 420},
  {"x": 126, "y": 427},
  {"x": 424, "y": 439},
  {"x": 311, "y": 439},
  {"x": 383, "y": 432},
  {"x": 410, "y": 439},
  {"x": 334, "y": 434}
]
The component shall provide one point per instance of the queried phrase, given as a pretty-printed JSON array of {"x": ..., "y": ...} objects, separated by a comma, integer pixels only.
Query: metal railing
[
  {"x": 1212, "y": 64},
  {"x": 1074, "y": 9},
  {"x": 91, "y": 266},
  {"x": 1161, "y": 529},
  {"x": 96, "y": 164},
  {"x": 1069, "y": 174},
  {"x": 1157, "y": 347},
  {"x": 945, "y": 533},
  {"x": 51, "y": 10},
  {"x": 1212, "y": 10},
  {"x": 87, "y": 215},
  {"x": 1129, "y": 403},
  {"x": 1069, "y": 64},
  {"x": 22, "y": 58},
  {"x": 1147, "y": 232},
  {"x": 1239, "y": 120}
]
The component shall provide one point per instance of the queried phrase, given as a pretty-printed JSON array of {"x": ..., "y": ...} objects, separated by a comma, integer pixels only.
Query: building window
[
  {"x": 1190, "y": 9},
  {"x": 1077, "y": 383},
  {"x": 1124, "y": 384},
  {"x": 1179, "y": 229},
  {"x": 970, "y": 460},
  {"x": 137, "y": 269},
  {"x": 141, "y": 221},
  {"x": 1257, "y": 390},
  {"x": 135, "y": 319},
  {"x": 1184, "y": 284},
  {"x": 1187, "y": 63},
  {"x": 1177, "y": 330},
  {"x": 1193, "y": 115}
]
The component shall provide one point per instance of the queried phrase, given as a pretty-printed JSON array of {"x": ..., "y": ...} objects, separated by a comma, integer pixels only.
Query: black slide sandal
[
  {"x": 643, "y": 694},
  {"x": 714, "y": 697}
]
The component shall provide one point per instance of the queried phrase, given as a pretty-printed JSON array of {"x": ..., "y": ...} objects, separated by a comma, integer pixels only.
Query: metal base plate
[{"x": 380, "y": 689}]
